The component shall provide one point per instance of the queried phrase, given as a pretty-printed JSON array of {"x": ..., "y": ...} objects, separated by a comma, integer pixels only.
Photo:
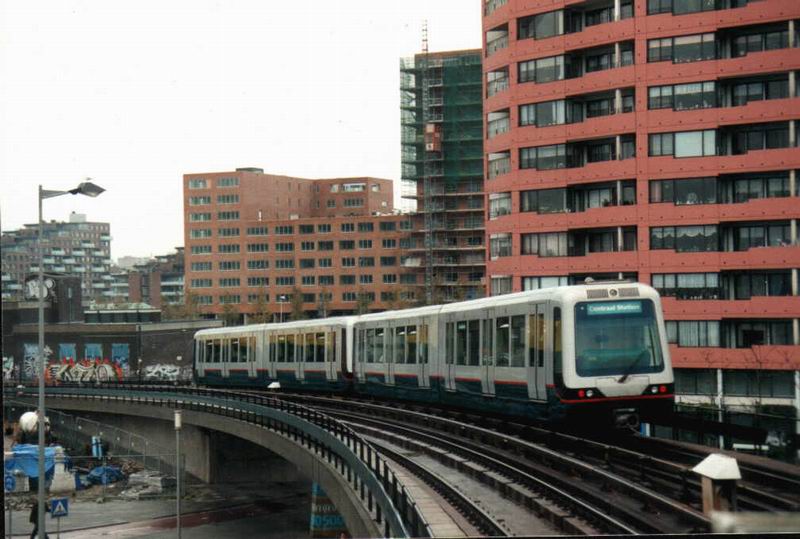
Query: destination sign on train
[{"x": 618, "y": 307}]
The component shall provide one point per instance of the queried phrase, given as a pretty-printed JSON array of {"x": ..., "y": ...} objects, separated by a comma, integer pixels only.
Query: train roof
[{"x": 297, "y": 324}]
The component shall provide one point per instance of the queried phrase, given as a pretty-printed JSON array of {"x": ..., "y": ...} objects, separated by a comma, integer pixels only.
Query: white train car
[{"x": 550, "y": 354}]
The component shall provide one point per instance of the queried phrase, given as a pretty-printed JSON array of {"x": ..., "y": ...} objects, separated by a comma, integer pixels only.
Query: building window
[
  {"x": 543, "y": 157},
  {"x": 228, "y": 182},
  {"x": 687, "y": 286},
  {"x": 230, "y": 299},
  {"x": 749, "y": 333},
  {"x": 347, "y": 245},
  {"x": 197, "y": 233},
  {"x": 307, "y": 263},
  {"x": 204, "y": 300},
  {"x": 761, "y": 41},
  {"x": 542, "y": 70},
  {"x": 388, "y": 243},
  {"x": 536, "y": 283},
  {"x": 228, "y": 232},
  {"x": 284, "y": 230},
  {"x": 760, "y": 137},
  {"x": 306, "y": 229},
  {"x": 228, "y": 248},
  {"x": 229, "y": 265},
  {"x": 201, "y": 249},
  {"x": 284, "y": 281},
  {"x": 308, "y": 280},
  {"x": 348, "y": 227},
  {"x": 389, "y": 278},
  {"x": 698, "y": 238},
  {"x": 684, "y": 144},
  {"x": 546, "y": 244},
  {"x": 745, "y": 92},
  {"x": 742, "y": 188},
  {"x": 693, "y": 333},
  {"x": 325, "y": 262},
  {"x": 541, "y": 26},
  {"x": 544, "y": 201},
  {"x": 365, "y": 279},
  {"x": 499, "y": 204},
  {"x": 348, "y": 296},
  {"x": 388, "y": 261},
  {"x": 681, "y": 49},
  {"x": 257, "y": 264},
  {"x": 748, "y": 284},
  {"x": 696, "y": 382},
  {"x": 307, "y": 246},
  {"x": 198, "y": 217},
  {"x": 761, "y": 235},
  {"x": 500, "y": 285},
  {"x": 201, "y": 266},
  {"x": 201, "y": 283},
  {"x": 348, "y": 262},
  {"x": 353, "y": 202},
  {"x": 227, "y": 199},
  {"x": 365, "y": 244},
  {"x": 406, "y": 225},
  {"x": 500, "y": 245},
  {"x": 257, "y": 231},
  {"x": 758, "y": 383},
  {"x": 325, "y": 245},
  {"x": 229, "y": 282},
  {"x": 388, "y": 226},
  {"x": 284, "y": 263},
  {"x": 696, "y": 95},
  {"x": 347, "y": 279},
  {"x": 258, "y": 281},
  {"x": 330, "y": 203},
  {"x": 284, "y": 247},
  {"x": 198, "y": 184},
  {"x": 366, "y": 261},
  {"x": 324, "y": 228},
  {"x": 365, "y": 227},
  {"x": 687, "y": 191}
]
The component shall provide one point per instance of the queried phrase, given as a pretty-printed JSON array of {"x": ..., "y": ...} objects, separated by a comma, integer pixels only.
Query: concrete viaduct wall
[{"x": 202, "y": 453}]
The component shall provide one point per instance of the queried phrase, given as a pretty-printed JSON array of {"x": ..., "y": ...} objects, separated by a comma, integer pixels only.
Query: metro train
[{"x": 589, "y": 351}]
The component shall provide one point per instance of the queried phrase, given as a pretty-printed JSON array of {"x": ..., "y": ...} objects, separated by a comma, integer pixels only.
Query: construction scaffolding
[{"x": 442, "y": 169}]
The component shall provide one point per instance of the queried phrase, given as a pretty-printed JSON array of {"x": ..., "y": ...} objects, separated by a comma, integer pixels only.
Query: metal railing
[{"x": 354, "y": 458}]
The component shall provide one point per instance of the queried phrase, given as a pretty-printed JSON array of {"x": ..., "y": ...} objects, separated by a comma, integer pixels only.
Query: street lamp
[
  {"x": 281, "y": 299},
  {"x": 91, "y": 190},
  {"x": 178, "y": 424}
]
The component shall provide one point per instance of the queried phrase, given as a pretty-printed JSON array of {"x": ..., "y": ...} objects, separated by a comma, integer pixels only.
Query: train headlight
[
  {"x": 589, "y": 393},
  {"x": 654, "y": 389}
]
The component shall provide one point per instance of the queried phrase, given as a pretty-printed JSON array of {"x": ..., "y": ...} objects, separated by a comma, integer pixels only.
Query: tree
[
  {"x": 261, "y": 314},
  {"x": 323, "y": 300},
  {"x": 297, "y": 305},
  {"x": 230, "y": 315},
  {"x": 191, "y": 306},
  {"x": 364, "y": 300}
]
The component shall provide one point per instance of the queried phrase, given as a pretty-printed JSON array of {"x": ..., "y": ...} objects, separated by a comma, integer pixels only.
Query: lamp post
[
  {"x": 85, "y": 188},
  {"x": 139, "y": 369},
  {"x": 178, "y": 472},
  {"x": 281, "y": 299}
]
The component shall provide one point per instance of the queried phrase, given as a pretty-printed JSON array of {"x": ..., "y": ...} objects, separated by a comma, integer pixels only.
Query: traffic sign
[
  {"x": 9, "y": 483},
  {"x": 59, "y": 507}
]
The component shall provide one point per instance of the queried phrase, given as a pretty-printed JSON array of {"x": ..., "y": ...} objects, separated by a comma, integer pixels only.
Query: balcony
[{"x": 498, "y": 164}]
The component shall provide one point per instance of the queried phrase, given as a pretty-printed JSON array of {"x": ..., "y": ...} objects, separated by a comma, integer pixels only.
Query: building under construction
[{"x": 442, "y": 156}]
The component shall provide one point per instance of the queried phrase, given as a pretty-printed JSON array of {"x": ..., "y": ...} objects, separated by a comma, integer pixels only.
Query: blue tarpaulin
[
  {"x": 103, "y": 475},
  {"x": 26, "y": 458}
]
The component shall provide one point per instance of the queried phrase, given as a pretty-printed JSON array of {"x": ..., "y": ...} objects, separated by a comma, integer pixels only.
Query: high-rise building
[
  {"x": 77, "y": 247},
  {"x": 157, "y": 281},
  {"x": 258, "y": 243},
  {"x": 657, "y": 141},
  {"x": 442, "y": 156}
]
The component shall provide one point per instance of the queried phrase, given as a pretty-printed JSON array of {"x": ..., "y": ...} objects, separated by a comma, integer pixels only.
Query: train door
[
  {"x": 300, "y": 354},
  {"x": 536, "y": 339},
  {"x": 332, "y": 354},
  {"x": 423, "y": 351},
  {"x": 449, "y": 364},
  {"x": 509, "y": 358},
  {"x": 391, "y": 357},
  {"x": 487, "y": 359}
]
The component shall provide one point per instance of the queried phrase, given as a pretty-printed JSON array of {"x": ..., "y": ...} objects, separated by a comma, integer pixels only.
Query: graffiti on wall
[
  {"x": 8, "y": 368},
  {"x": 30, "y": 365},
  {"x": 97, "y": 370},
  {"x": 93, "y": 351},
  {"x": 166, "y": 371},
  {"x": 67, "y": 351},
  {"x": 120, "y": 354}
]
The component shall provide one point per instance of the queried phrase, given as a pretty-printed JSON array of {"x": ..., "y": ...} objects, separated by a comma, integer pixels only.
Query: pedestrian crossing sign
[{"x": 59, "y": 507}]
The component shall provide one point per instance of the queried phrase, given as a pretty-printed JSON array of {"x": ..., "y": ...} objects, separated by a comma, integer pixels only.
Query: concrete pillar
[
  {"x": 617, "y": 101},
  {"x": 618, "y": 146},
  {"x": 792, "y": 83},
  {"x": 793, "y": 231},
  {"x": 619, "y": 192},
  {"x": 795, "y": 283},
  {"x": 791, "y": 34},
  {"x": 619, "y": 239},
  {"x": 720, "y": 402},
  {"x": 792, "y": 182},
  {"x": 617, "y": 9},
  {"x": 796, "y": 331},
  {"x": 792, "y": 133},
  {"x": 797, "y": 401},
  {"x": 617, "y": 55}
]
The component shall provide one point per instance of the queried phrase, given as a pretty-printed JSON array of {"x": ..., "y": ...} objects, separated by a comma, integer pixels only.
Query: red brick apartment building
[
  {"x": 655, "y": 140},
  {"x": 335, "y": 241}
]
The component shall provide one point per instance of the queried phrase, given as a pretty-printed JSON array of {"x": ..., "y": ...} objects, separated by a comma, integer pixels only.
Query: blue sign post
[{"x": 59, "y": 507}]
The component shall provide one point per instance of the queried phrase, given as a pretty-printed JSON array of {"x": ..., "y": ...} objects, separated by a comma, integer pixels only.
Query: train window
[
  {"x": 536, "y": 336},
  {"x": 449, "y": 338},
  {"x": 411, "y": 341},
  {"x": 309, "y": 348},
  {"x": 234, "y": 351},
  {"x": 281, "y": 355},
  {"x": 377, "y": 346},
  {"x": 290, "y": 340},
  {"x": 557, "y": 368},
  {"x": 368, "y": 353},
  {"x": 518, "y": 341},
  {"x": 486, "y": 348},
  {"x": 330, "y": 347},
  {"x": 461, "y": 343},
  {"x": 388, "y": 346},
  {"x": 243, "y": 350},
  {"x": 423, "y": 343},
  {"x": 474, "y": 330},
  {"x": 502, "y": 350},
  {"x": 320, "y": 348},
  {"x": 400, "y": 345}
]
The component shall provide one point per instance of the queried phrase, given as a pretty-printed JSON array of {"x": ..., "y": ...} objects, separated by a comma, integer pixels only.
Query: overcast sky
[{"x": 135, "y": 94}]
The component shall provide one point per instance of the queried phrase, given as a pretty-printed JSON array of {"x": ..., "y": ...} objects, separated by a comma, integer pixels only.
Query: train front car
[{"x": 615, "y": 364}]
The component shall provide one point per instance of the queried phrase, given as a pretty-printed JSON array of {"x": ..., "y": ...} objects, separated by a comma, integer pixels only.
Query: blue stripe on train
[{"x": 511, "y": 391}]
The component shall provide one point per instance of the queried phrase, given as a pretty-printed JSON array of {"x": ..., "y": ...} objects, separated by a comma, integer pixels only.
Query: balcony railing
[
  {"x": 497, "y": 127},
  {"x": 496, "y": 86},
  {"x": 498, "y": 167},
  {"x": 496, "y": 44}
]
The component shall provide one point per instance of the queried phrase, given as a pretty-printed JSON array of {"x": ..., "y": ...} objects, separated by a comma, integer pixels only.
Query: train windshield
[{"x": 617, "y": 338}]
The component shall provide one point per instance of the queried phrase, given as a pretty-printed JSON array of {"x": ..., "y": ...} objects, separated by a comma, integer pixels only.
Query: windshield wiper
[{"x": 630, "y": 368}]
